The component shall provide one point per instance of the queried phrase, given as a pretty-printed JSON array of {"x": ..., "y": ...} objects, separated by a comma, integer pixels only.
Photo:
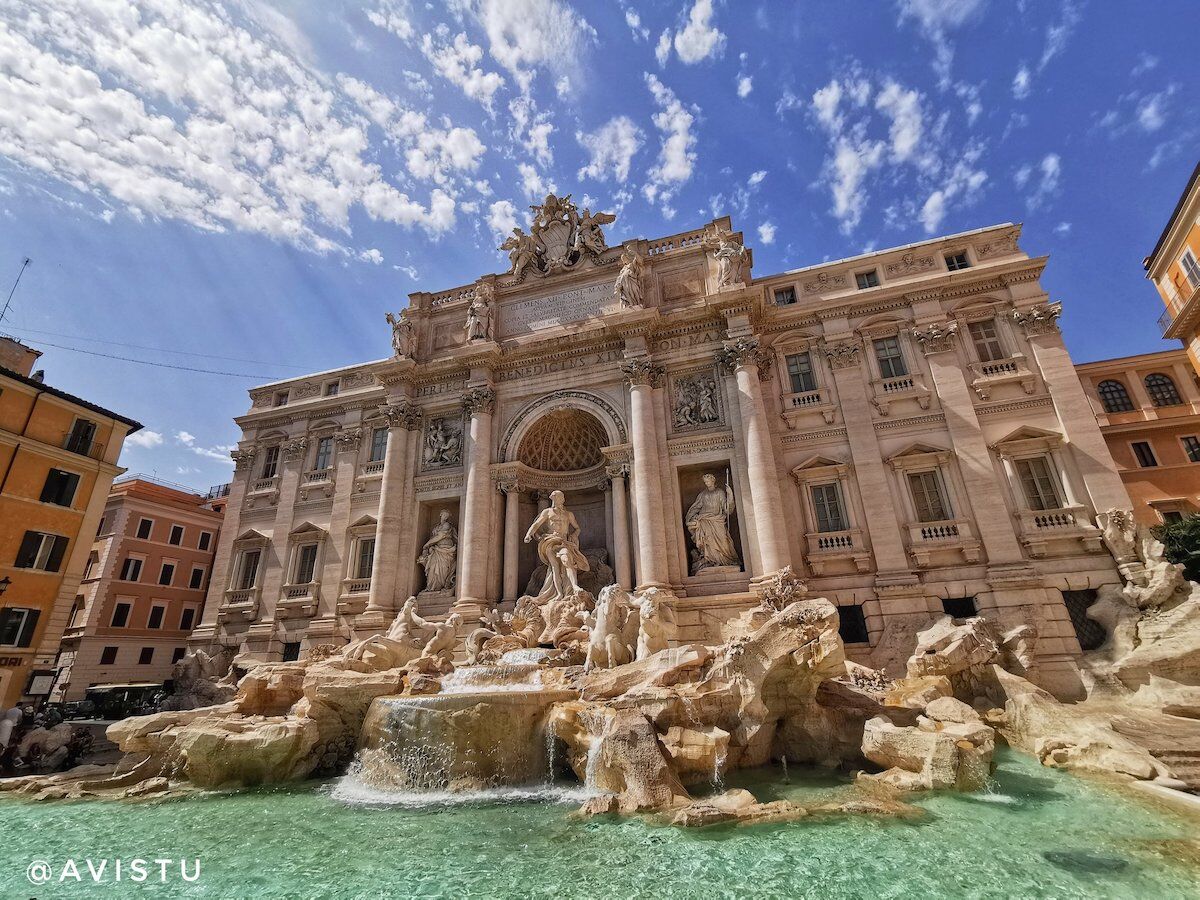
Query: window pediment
[
  {"x": 1028, "y": 439},
  {"x": 820, "y": 468},
  {"x": 251, "y": 536},
  {"x": 919, "y": 455},
  {"x": 307, "y": 529}
]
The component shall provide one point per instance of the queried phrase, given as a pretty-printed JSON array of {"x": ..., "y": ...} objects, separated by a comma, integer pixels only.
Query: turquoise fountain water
[{"x": 1040, "y": 834}]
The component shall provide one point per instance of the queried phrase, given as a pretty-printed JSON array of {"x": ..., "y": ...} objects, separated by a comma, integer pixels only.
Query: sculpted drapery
[
  {"x": 439, "y": 555},
  {"x": 708, "y": 523}
]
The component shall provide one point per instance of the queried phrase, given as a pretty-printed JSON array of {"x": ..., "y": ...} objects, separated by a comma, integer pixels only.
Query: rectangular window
[
  {"x": 1171, "y": 516},
  {"x": 1191, "y": 446},
  {"x": 291, "y": 651},
  {"x": 166, "y": 574},
  {"x": 379, "y": 444},
  {"x": 205, "y": 540},
  {"x": 785, "y": 296},
  {"x": 41, "y": 551},
  {"x": 306, "y": 564},
  {"x": 196, "y": 581},
  {"x": 852, "y": 625},
  {"x": 93, "y": 559},
  {"x": 366, "y": 557},
  {"x": 131, "y": 569},
  {"x": 108, "y": 656},
  {"x": 1190, "y": 268},
  {"x": 76, "y": 611},
  {"x": 890, "y": 357},
  {"x": 146, "y": 656},
  {"x": 60, "y": 487},
  {"x": 987, "y": 341},
  {"x": 1038, "y": 484},
  {"x": 81, "y": 437},
  {"x": 156, "y": 617},
  {"x": 176, "y": 537},
  {"x": 928, "y": 497},
  {"x": 270, "y": 462},
  {"x": 250, "y": 560},
  {"x": 866, "y": 280},
  {"x": 1144, "y": 454},
  {"x": 331, "y": 389},
  {"x": 960, "y": 607},
  {"x": 956, "y": 261},
  {"x": 800, "y": 372},
  {"x": 827, "y": 503},
  {"x": 177, "y": 654},
  {"x": 100, "y": 527},
  {"x": 281, "y": 398},
  {"x": 17, "y": 625},
  {"x": 121, "y": 615},
  {"x": 187, "y": 619},
  {"x": 324, "y": 456},
  {"x": 145, "y": 527}
]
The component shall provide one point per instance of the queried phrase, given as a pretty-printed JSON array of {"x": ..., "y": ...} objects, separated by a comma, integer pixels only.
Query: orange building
[
  {"x": 1174, "y": 267},
  {"x": 143, "y": 588},
  {"x": 1148, "y": 408},
  {"x": 58, "y": 457}
]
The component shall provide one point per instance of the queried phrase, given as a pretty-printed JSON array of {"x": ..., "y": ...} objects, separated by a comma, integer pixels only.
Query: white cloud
[
  {"x": 186, "y": 438},
  {"x": 1059, "y": 32},
  {"x": 146, "y": 439},
  {"x": 766, "y": 233},
  {"x": 677, "y": 156},
  {"x": 756, "y": 178},
  {"x": 963, "y": 184},
  {"x": 1146, "y": 62},
  {"x": 502, "y": 217},
  {"x": 1045, "y": 185},
  {"x": 372, "y": 256},
  {"x": 903, "y": 107},
  {"x": 458, "y": 63},
  {"x": 532, "y": 129},
  {"x": 662, "y": 50},
  {"x": 699, "y": 39},
  {"x": 527, "y": 35},
  {"x": 610, "y": 149},
  {"x": 745, "y": 84},
  {"x": 392, "y": 15},
  {"x": 634, "y": 21},
  {"x": 1062, "y": 229},
  {"x": 1021, "y": 82},
  {"x": 1151, "y": 112},
  {"x": 220, "y": 454},
  {"x": 936, "y": 19},
  {"x": 534, "y": 185}
]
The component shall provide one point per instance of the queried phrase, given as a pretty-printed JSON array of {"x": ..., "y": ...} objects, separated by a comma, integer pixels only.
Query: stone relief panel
[
  {"x": 696, "y": 400},
  {"x": 443, "y": 443},
  {"x": 682, "y": 284},
  {"x": 824, "y": 283},
  {"x": 910, "y": 264},
  {"x": 448, "y": 334}
]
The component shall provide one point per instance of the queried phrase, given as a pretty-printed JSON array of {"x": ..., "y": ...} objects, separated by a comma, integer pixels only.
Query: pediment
[
  {"x": 250, "y": 535},
  {"x": 817, "y": 461},
  {"x": 917, "y": 448},
  {"x": 1028, "y": 433},
  {"x": 306, "y": 528},
  {"x": 364, "y": 522}
]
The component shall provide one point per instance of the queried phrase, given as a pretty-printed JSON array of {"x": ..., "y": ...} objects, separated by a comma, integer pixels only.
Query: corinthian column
[
  {"x": 747, "y": 362},
  {"x": 643, "y": 377},
  {"x": 478, "y": 403},
  {"x": 402, "y": 417}
]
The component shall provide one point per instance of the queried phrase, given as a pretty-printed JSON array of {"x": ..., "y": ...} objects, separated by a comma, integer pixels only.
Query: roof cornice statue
[{"x": 560, "y": 238}]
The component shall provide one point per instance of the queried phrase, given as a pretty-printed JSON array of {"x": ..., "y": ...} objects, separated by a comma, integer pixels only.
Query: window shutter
[
  {"x": 56, "y": 553},
  {"x": 25, "y": 638},
  {"x": 30, "y": 545}
]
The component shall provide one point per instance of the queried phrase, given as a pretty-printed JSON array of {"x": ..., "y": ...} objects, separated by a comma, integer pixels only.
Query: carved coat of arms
[{"x": 559, "y": 238}]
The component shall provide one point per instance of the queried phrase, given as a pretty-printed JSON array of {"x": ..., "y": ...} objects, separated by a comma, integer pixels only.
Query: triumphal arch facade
[{"x": 904, "y": 429}]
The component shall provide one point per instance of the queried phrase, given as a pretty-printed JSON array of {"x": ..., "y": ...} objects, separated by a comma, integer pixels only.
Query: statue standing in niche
[
  {"x": 402, "y": 334},
  {"x": 443, "y": 446},
  {"x": 628, "y": 286},
  {"x": 707, "y": 522},
  {"x": 557, "y": 533},
  {"x": 439, "y": 554},
  {"x": 479, "y": 314}
]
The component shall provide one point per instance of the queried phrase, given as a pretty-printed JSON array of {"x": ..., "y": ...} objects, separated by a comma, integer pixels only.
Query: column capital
[
  {"x": 843, "y": 354},
  {"x": 641, "y": 370},
  {"x": 243, "y": 457},
  {"x": 1039, "y": 319},
  {"x": 744, "y": 352},
  {"x": 936, "y": 337},
  {"x": 402, "y": 414},
  {"x": 294, "y": 449},
  {"x": 479, "y": 399},
  {"x": 508, "y": 483},
  {"x": 348, "y": 439}
]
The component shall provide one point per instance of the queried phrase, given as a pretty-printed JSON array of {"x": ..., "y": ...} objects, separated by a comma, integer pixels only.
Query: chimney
[{"x": 16, "y": 357}]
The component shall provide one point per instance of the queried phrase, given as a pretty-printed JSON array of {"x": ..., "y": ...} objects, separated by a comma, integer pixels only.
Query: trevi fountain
[{"x": 585, "y": 737}]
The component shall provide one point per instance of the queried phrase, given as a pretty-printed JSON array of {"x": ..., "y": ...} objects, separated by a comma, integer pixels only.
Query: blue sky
[{"x": 248, "y": 185}]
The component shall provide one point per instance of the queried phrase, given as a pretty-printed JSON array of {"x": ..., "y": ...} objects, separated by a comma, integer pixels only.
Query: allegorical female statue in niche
[
  {"x": 557, "y": 533},
  {"x": 707, "y": 522},
  {"x": 439, "y": 554}
]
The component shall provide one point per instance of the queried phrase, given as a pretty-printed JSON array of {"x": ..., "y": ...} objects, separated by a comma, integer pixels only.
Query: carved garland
[
  {"x": 1041, "y": 319},
  {"x": 294, "y": 449},
  {"x": 937, "y": 337},
  {"x": 844, "y": 355}
]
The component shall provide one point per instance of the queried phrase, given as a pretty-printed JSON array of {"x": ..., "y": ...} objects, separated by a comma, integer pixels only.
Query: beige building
[
  {"x": 143, "y": 588},
  {"x": 905, "y": 428}
]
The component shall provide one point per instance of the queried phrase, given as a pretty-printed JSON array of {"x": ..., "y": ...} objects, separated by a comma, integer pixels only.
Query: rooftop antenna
[{"x": 8, "y": 302}]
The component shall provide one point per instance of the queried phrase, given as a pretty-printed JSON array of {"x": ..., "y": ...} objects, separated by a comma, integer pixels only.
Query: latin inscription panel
[{"x": 574, "y": 305}]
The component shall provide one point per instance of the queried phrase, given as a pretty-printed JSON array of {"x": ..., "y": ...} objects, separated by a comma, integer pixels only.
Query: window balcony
[
  {"x": 1182, "y": 315},
  {"x": 800, "y": 402},
  {"x": 1014, "y": 370},
  {"x": 240, "y": 604},
  {"x": 899, "y": 387},
  {"x": 926, "y": 538},
  {"x": 81, "y": 445},
  {"x": 264, "y": 485},
  {"x": 1040, "y": 527},
  {"x": 355, "y": 594},
  {"x": 316, "y": 484},
  {"x": 825, "y": 547},
  {"x": 372, "y": 469},
  {"x": 298, "y": 600}
]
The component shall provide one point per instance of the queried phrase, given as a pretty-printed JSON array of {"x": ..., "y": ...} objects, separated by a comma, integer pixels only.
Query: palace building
[{"x": 904, "y": 429}]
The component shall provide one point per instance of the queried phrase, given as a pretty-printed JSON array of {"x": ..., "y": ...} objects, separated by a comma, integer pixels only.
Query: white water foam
[
  {"x": 990, "y": 797},
  {"x": 352, "y": 792}
]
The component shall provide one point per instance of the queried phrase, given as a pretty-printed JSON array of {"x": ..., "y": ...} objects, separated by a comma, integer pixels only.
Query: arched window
[
  {"x": 1114, "y": 396},
  {"x": 1162, "y": 390}
]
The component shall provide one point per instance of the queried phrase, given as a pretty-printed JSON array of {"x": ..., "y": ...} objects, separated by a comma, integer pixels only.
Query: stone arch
[{"x": 600, "y": 409}]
